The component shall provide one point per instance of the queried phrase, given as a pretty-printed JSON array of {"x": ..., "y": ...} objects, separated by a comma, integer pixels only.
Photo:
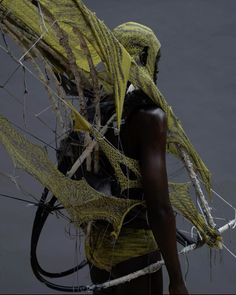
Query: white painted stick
[
  {"x": 153, "y": 267},
  {"x": 230, "y": 225},
  {"x": 88, "y": 150},
  {"x": 196, "y": 184},
  {"x": 149, "y": 269}
]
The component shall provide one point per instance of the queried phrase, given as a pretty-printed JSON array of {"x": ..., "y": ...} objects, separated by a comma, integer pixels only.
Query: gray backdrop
[{"x": 197, "y": 76}]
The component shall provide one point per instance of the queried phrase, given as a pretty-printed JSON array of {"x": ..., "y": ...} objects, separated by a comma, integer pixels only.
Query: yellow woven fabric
[
  {"x": 118, "y": 52},
  {"x": 105, "y": 253},
  {"x": 134, "y": 37},
  {"x": 83, "y": 203},
  {"x": 72, "y": 16}
]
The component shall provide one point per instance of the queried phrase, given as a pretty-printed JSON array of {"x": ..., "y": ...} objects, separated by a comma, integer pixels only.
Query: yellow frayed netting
[
  {"x": 74, "y": 42},
  {"x": 64, "y": 19},
  {"x": 83, "y": 203}
]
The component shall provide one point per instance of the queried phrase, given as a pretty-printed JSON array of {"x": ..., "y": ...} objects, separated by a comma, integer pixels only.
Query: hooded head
[{"x": 141, "y": 43}]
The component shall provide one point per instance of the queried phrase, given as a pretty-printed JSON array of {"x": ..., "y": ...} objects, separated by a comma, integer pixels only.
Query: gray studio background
[{"x": 197, "y": 76}]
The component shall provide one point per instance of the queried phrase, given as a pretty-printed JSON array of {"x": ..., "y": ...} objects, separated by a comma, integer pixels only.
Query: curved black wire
[
  {"x": 41, "y": 216},
  {"x": 45, "y": 208}
]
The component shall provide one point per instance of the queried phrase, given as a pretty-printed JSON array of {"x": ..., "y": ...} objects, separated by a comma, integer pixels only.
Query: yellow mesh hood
[{"x": 134, "y": 37}]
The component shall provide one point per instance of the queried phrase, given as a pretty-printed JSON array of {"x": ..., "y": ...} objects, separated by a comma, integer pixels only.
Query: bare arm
[{"x": 152, "y": 150}]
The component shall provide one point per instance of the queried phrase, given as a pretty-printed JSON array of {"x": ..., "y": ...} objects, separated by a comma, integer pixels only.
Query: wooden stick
[
  {"x": 197, "y": 186},
  {"x": 230, "y": 225},
  {"x": 95, "y": 83},
  {"x": 153, "y": 267},
  {"x": 64, "y": 42},
  {"x": 147, "y": 270},
  {"x": 89, "y": 149}
]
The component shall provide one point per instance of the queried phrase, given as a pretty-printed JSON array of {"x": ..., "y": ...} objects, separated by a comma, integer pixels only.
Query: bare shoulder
[
  {"x": 145, "y": 127},
  {"x": 151, "y": 119}
]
